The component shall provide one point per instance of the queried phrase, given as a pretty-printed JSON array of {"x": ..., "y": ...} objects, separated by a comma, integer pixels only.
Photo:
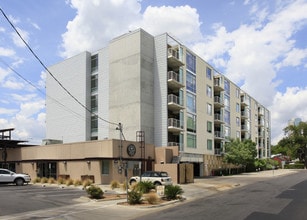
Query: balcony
[
  {"x": 171, "y": 144},
  {"x": 218, "y": 118},
  {"x": 173, "y": 58},
  {"x": 260, "y": 111},
  {"x": 219, "y": 135},
  {"x": 174, "y": 125},
  {"x": 244, "y": 128},
  {"x": 218, "y": 151},
  {"x": 174, "y": 102},
  {"x": 173, "y": 80},
  {"x": 218, "y": 87},
  {"x": 244, "y": 114},
  {"x": 218, "y": 102},
  {"x": 244, "y": 101}
]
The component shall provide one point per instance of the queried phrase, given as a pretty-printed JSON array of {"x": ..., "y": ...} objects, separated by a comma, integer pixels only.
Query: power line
[
  {"x": 38, "y": 89},
  {"x": 44, "y": 66}
]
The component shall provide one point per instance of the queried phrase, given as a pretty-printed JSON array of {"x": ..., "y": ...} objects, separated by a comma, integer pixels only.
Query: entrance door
[{"x": 46, "y": 169}]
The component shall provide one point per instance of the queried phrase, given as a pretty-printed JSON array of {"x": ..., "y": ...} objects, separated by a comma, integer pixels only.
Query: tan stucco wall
[{"x": 78, "y": 159}]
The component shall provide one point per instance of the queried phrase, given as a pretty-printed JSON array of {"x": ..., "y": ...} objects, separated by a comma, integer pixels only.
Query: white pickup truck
[{"x": 7, "y": 176}]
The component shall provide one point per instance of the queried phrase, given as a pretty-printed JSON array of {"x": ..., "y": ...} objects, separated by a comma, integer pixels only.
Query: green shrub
[
  {"x": 295, "y": 166},
  {"x": 172, "y": 192},
  {"x": 115, "y": 184},
  {"x": 134, "y": 197},
  {"x": 145, "y": 186},
  {"x": 95, "y": 192}
]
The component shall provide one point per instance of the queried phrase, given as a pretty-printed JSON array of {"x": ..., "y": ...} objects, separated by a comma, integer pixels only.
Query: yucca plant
[{"x": 172, "y": 192}]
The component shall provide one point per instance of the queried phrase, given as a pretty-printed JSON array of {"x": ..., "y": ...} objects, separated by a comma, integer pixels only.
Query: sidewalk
[{"x": 213, "y": 184}]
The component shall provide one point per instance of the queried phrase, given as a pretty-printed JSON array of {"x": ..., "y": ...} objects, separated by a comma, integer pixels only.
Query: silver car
[{"x": 7, "y": 176}]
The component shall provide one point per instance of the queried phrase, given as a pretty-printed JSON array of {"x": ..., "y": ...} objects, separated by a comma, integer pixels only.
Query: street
[
  {"x": 264, "y": 195},
  {"x": 281, "y": 197}
]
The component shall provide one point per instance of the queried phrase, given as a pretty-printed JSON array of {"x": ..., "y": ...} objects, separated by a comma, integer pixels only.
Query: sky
[{"x": 259, "y": 45}]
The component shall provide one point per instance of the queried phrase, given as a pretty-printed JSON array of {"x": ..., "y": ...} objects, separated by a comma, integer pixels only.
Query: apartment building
[{"x": 156, "y": 89}]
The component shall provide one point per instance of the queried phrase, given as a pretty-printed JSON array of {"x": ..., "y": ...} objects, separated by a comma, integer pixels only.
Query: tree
[
  {"x": 295, "y": 141},
  {"x": 240, "y": 152}
]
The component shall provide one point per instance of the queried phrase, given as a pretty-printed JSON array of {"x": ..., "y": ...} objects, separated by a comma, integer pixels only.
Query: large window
[
  {"x": 227, "y": 117},
  {"x": 94, "y": 63},
  {"x": 191, "y": 82},
  {"x": 209, "y": 144},
  {"x": 209, "y": 73},
  {"x": 191, "y": 140},
  {"x": 94, "y": 123},
  {"x": 227, "y": 102},
  {"x": 209, "y": 109},
  {"x": 238, "y": 109},
  {"x": 209, "y": 91},
  {"x": 191, "y": 62},
  {"x": 94, "y": 103},
  {"x": 105, "y": 167},
  {"x": 227, "y": 86},
  {"x": 209, "y": 126},
  {"x": 191, "y": 103},
  {"x": 94, "y": 83},
  {"x": 191, "y": 122}
]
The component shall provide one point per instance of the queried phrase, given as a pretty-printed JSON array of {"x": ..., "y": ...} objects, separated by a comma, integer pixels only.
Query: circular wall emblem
[{"x": 131, "y": 150}]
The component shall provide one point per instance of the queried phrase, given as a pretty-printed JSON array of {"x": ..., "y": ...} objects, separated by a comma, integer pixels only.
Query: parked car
[
  {"x": 7, "y": 176},
  {"x": 156, "y": 177}
]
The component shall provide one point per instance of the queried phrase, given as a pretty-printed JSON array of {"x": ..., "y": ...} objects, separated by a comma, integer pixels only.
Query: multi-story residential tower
[{"x": 156, "y": 85}]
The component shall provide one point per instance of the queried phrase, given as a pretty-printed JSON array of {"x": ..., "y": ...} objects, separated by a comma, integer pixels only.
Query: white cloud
[
  {"x": 182, "y": 21},
  {"x": 12, "y": 83},
  {"x": 294, "y": 57},
  {"x": 283, "y": 108},
  {"x": 6, "y": 52},
  {"x": 97, "y": 21},
  {"x": 16, "y": 39}
]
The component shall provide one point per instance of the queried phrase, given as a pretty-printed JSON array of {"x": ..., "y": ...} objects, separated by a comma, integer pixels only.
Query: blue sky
[{"x": 260, "y": 45}]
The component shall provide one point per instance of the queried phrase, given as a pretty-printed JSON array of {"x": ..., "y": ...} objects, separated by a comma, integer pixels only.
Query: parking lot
[{"x": 20, "y": 199}]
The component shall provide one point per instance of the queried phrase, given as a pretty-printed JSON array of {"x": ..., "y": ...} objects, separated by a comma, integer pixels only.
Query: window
[
  {"x": 209, "y": 109},
  {"x": 191, "y": 122},
  {"x": 191, "y": 62},
  {"x": 237, "y": 93},
  {"x": 209, "y": 126},
  {"x": 191, "y": 103},
  {"x": 105, "y": 167},
  {"x": 227, "y": 132},
  {"x": 227, "y": 102},
  {"x": 238, "y": 121},
  {"x": 94, "y": 123},
  {"x": 94, "y": 103},
  {"x": 191, "y": 140},
  {"x": 238, "y": 108},
  {"x": 94, "y": 63},
  {"x": 227, "y": 117},
  {"x": 209, "y": 91},
  {"x": 209, "y": 144},
  {"x": 209, "y": 73},
  {"x": 94, "y": 83},
  {"x": 191, "y": 82},
  {"x": 227, "y": 86},
  {"x": 238, "y": 134}
]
